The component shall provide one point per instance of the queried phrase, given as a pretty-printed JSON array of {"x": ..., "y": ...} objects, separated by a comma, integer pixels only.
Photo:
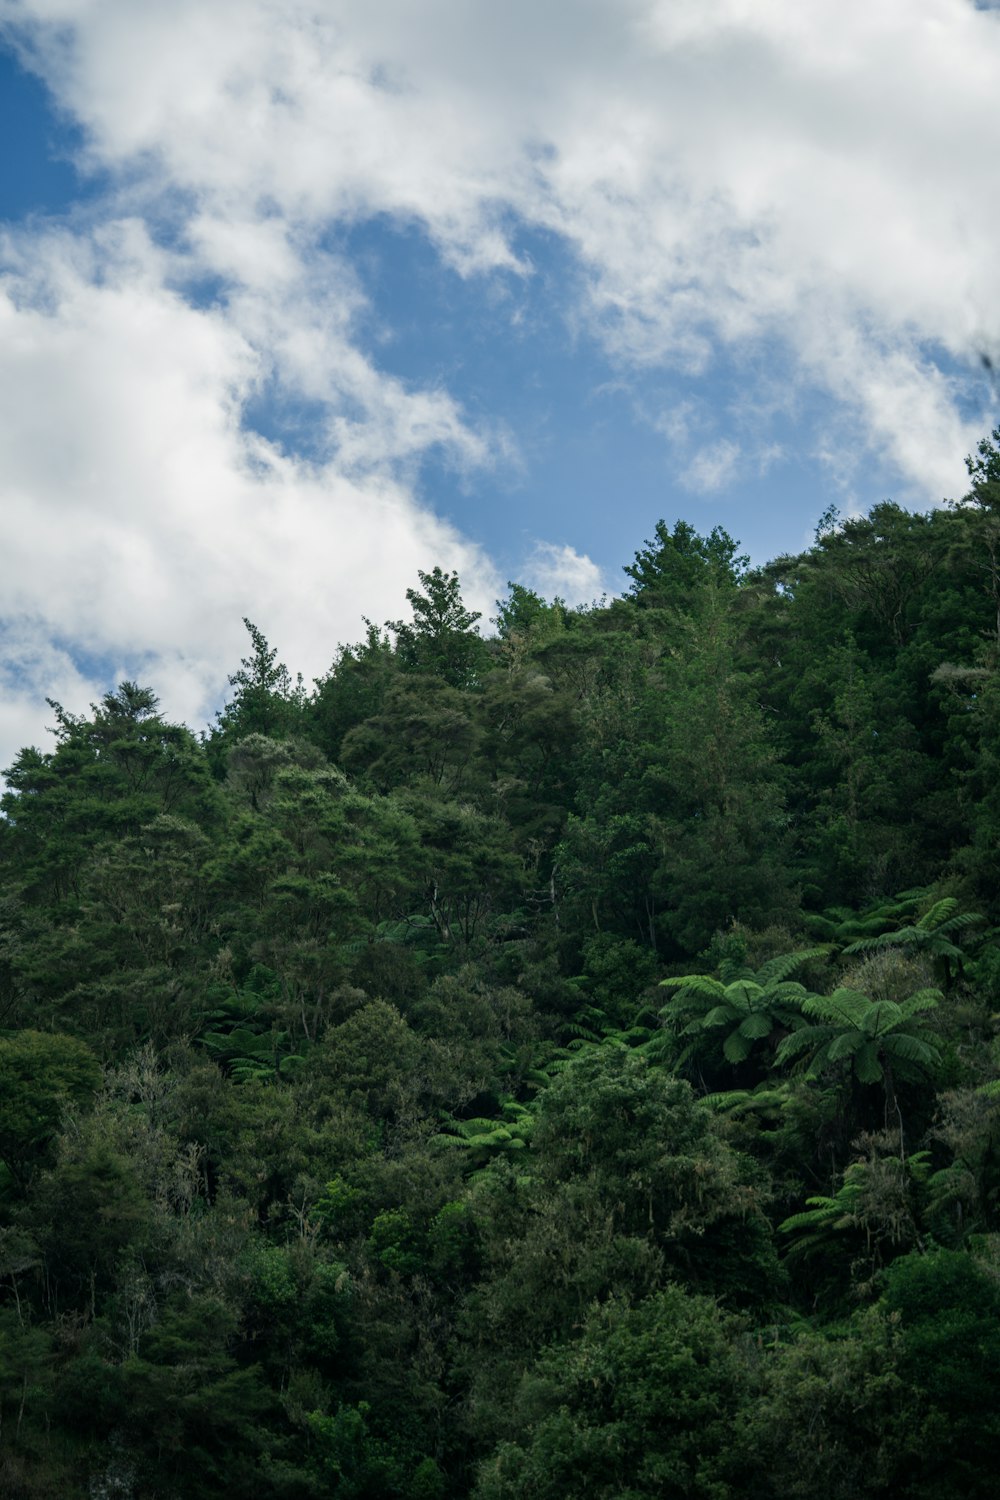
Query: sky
[{"x": 297, "y": 299}]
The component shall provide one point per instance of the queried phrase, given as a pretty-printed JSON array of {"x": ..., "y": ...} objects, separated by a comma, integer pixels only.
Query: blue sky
[{"x": 299, "y": 299}]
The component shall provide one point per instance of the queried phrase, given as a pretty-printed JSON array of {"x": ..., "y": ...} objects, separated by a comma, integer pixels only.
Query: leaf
[
  {"x": 938, "y": 914},
  {"x": 801, "y": 1041},
  {"x": 757, "y": 1026},
  {"x": 845, "y": 1045},
  {"x": 777, "y": 969},
  {"x": 881, "y": 1017},
  {"x": 923, "y": 1000},
  {"x": 744, "y": 995},
  {"x": 911, "y": 1048},
  {"x": 867, "y": 1066},
  {"x": 842, "y": 1006},
  {"x": 735, "y": 1048},
  {"x": 810, "y": 1219},
  {"x": 695, "y": 984},
  {"x": 719, "y": 1015}
]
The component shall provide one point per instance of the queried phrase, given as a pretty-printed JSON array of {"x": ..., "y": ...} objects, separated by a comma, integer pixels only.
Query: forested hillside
[{"x": 559, "y": 1063}]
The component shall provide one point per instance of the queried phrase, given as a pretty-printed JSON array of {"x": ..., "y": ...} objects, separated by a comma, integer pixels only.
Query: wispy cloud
[{"x": 712, "y": 467}]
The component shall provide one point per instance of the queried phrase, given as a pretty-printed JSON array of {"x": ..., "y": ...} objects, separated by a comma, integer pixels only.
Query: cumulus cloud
[
  {"x": 556, "y": 570},
  {"x": 142, "y": 520},
  {"x": 725, "y": 172}
]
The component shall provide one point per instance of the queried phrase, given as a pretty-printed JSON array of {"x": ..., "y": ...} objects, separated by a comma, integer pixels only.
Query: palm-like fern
[
  {"x": 482, "y": 1139},
  {"x": 876, "y": 1037},
  {"x": 839, "y": 925},
  {"x": 932, "y": 936},
  {"x": 749, "y": 1006},
  {"x": 862, "y": 1203}
]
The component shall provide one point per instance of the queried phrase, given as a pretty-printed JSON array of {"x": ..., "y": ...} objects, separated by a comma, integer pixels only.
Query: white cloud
[
  {"x": 141, "y": 521},
  {"x": 30, "y": 658},
  {"x": 561, "y": 571},
  {"x": 727, "y": 172},
  {"x": 712, "y": 467}
]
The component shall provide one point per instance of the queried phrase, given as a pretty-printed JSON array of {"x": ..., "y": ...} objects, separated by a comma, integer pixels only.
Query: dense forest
[{"x": 560, "y": 1062}]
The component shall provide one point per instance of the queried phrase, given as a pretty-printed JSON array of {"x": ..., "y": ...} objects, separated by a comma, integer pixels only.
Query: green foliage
[
  {"x": 441, "y": 639},
  {"x": 832, "y": 1415},
  {"x": 749, "y": 1008},
  {"x": 266, "y": 701},
  {"x": 675, "y": 563},
  {"x": 343, "y": 1144},
  {"x": 949, "y": 1312},
  {"x": 641, "y": 1403},
  {"x": 876, "y": 1205},
  {"x": 872, "y": 1037},
  {"x": 933, "y": 935},
  {"x": 41, "y": 1076}
]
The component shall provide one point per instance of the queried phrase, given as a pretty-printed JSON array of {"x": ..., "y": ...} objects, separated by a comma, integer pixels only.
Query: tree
[
  {"x": 441, "y": 639},
  {"x": 425, "y": 732},
  {"x": 643, "y": 1402},
  {"x": 107, "y": 777},
  {"x": 626, "y": 1184},
  {"x": 41, "y": 1075},
  {"x": 713, "y": 781},
  {"x": 266, "y": 700},
  {"x": 949, "y": 1310},
  {"x": 749, "y": 1007},
  {"x": 932, "y": 936},
  {"x": 524, "y": 614},
  {"x": 670, "y": 568},
  {"x": 831, "y": 1414},
  {"x": 353, "y": 690},
  {"x": 878, "y": 1039}
]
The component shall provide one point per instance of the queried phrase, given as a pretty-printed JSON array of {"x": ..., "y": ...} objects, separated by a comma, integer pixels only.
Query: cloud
[
  {"x": 712, "y": 467},
  {"x": 142, "y": 520},
  {"x": 559, "y": 570},
  {"x": 727, "y": 173},
  {"x": 28, "y": 658}
]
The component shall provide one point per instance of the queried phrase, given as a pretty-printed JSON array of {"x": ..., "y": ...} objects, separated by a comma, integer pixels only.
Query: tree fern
[
  {"x": 873, "y": 1036},
  {"x": 750, "y": 1006},
  {"x": 933, "y": 935}
]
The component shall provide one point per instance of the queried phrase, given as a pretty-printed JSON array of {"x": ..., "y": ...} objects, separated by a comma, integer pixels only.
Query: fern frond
[
  {"x": 818, "y": 926},
  {"x": 939, "y": 913},
  {"x": 744, "y": 996},
  {"x": 756, "y": 1026},
  {"x": 801, "y": 1041},
  {"x": 845, "y": 1045},
  {"x": 911, "y": 1048},
  {"x": 788, "y": 992},
  {"x": 922, "y": 1000},
  {"x": 867, "y": 1066},
  {"x": 810, "y": 1218},
  {"x": 730, "y": 972},
  {"x": 719, "y": 1015},
  {"x": 730, "y": 1100},
  {"x": 842, "y": 1006},
  {"x": 694, "y": 984},
  {"x": 777, "y": 969},
  {"x": 882, "y": 1016},
  {"x": 736, "y": 1048}
]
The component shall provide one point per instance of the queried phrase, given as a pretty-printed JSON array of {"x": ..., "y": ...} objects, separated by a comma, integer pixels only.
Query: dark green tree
[{"x": 441, "y": 638}]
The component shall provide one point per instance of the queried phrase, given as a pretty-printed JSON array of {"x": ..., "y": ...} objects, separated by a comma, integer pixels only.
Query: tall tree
[{"x": 441, "y": 638}]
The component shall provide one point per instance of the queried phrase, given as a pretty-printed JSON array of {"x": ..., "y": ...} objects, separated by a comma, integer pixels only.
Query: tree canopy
[{"x": 557, "y": 1062}]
